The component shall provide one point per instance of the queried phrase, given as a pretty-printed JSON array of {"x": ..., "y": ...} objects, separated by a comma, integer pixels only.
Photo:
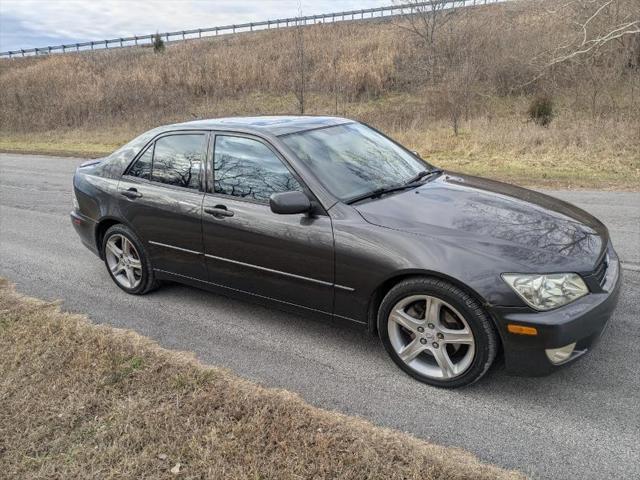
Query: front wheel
[
  {"x": 436, "y": 332},
  {"x": 127, "y": 261}
]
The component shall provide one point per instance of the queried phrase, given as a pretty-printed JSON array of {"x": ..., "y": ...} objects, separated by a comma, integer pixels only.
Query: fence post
[{"x": 199, "y": 33}]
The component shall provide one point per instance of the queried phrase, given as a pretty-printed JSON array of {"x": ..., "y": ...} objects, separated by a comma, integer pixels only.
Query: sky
[{"x": 39, "y": 23}]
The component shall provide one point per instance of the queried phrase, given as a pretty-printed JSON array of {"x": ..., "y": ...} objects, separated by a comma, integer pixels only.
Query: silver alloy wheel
[
  {"x": 431, "y": 337},
  {"x": 123, "y": 261}
]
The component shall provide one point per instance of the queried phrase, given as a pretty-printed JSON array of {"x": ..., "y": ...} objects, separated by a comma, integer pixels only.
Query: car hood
[{"x": 532, "y": 231}]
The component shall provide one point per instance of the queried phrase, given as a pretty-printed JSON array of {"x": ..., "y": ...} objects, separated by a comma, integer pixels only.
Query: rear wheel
[
  {"x": 436, "y": 332},
  {"x": 127, "y": 261}
]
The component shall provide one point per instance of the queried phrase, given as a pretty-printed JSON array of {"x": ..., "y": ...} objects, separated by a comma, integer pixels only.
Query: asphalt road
[{"x": 581, "y": 422}]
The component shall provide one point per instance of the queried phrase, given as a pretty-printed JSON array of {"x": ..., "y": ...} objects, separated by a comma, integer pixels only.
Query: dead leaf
[{"x": 176, "y": 470}]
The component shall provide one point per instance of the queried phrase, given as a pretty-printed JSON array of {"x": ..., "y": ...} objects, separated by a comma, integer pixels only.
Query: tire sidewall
[
  {"x": 478, "y": 321},
  {"x": 147, "y": 273}
]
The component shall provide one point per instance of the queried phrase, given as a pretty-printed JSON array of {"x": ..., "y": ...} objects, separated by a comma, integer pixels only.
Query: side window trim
[{"x": 211, "y": 159}]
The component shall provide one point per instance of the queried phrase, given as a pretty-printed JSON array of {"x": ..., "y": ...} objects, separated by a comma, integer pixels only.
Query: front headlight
[{"x": 545, "y": 292}]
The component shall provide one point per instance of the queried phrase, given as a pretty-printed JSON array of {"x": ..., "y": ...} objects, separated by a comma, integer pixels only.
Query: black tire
[
  {"x": 148, "y": 281},
  {"x": 485, "y": 336}
]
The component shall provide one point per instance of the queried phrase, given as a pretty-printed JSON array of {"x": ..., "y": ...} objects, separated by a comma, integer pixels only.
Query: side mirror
[
  {"x": 287, "y": 203},
  {"x": 416, "y": 153}
]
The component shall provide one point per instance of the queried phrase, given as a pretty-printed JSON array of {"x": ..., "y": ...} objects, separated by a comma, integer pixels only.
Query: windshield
[{"x": 351, "y": 160}]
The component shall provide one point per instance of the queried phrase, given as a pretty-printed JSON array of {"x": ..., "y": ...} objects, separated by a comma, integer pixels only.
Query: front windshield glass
[{"x": 353, "y": 159}]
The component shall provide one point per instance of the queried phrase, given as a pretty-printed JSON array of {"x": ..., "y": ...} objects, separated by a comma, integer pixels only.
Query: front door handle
[
  {"x": 132, "y": 193},
  {"x": 218, "y": 211}
]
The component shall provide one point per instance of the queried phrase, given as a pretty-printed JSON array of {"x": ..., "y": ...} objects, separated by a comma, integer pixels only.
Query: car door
[
  {"x": 161, "y": 195},
  {"x": 287, "y": 258}
]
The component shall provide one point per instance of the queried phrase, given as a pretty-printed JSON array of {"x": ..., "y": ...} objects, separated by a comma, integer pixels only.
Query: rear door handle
[
  {"x": 132, "y": 193},
  {"x": 218, "y": 211}
]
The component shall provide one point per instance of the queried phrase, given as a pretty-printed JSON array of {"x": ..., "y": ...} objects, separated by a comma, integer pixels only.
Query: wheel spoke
[
  {"x": 463, "y": 336},
  {"x": 111, "y": 246},
  {"x": 407, "y": 321},
  {"x": 117, "y": 268},
  {"x": 130, "y": 276},
  {"x": 432, "y": 313},
  {"x": 126, "y": 246},
  {"x": 444, "y": 362},
  {"x": 411, "y": 351},
  {"x": 135, "y": 264}
]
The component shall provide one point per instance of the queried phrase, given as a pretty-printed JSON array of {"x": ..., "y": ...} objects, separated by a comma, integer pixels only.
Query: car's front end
[
  {"x": 536, "y": 342},
  {"x": 544, "y": 270}
]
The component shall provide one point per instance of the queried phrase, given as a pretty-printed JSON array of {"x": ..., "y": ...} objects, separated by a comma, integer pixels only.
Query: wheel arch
[
  {"x": 383, "y": 288},
  {"x": 103, "y": 225}
]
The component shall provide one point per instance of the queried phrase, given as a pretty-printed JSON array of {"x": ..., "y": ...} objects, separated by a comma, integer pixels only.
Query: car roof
[{"x": 274, "y": 125}]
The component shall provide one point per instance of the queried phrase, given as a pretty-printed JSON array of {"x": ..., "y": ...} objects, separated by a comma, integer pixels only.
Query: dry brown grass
[
  {"x": 85, "y": 401},
  {"x": 88, "y": 103}
]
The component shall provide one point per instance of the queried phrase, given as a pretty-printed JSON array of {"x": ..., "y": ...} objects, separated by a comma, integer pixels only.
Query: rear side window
[
  {"x": 177, "y": 160},
  {"x": 142, "y": 167},
  {"x": 247, "y": 168}
]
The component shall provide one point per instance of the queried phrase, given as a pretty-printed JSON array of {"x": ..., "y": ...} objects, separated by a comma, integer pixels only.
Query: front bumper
[{"x": 582, "y": 322}]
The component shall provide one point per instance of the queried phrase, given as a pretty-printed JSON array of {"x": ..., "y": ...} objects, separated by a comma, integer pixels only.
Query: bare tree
[
  {"x": 424, "y": 21},
  {"x": 300, "y": 65},
  {"x": 452, "y": 53},
  {"x": 597, "y": 28},
  {"x": 336, "y": 85},
  {"x": 599, "y": 25}
]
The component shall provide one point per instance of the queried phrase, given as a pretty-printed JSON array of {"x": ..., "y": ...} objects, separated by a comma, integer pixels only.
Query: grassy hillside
[
  {"x": 461, "y": 98},
  {"x": 82, "y": 401}
]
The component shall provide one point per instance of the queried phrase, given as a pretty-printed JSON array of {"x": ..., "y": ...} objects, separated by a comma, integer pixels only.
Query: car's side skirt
[{"x": 261, "y": 299}]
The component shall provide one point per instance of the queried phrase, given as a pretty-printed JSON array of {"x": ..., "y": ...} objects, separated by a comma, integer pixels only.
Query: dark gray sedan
[{"x": 328, "y": 217}]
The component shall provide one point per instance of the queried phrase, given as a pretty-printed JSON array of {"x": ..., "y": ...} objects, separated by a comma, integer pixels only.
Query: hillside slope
[{"x": 461, "y": 98}]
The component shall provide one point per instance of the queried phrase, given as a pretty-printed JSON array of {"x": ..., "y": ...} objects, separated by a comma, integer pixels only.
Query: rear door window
[{"x": 177, "y": 160}]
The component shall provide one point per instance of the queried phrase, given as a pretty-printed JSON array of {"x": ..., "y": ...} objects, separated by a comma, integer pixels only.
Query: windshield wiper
[
  {"x": 421, "y": 175},
  {"x": 378, "y": 192}
]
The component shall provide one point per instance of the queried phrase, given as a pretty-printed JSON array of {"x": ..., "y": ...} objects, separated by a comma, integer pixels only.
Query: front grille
[{"x": 600, "y": 273}]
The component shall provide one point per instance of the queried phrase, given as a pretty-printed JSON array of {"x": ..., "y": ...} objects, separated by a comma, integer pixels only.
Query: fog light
[{"x": 559, "y": 355}]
